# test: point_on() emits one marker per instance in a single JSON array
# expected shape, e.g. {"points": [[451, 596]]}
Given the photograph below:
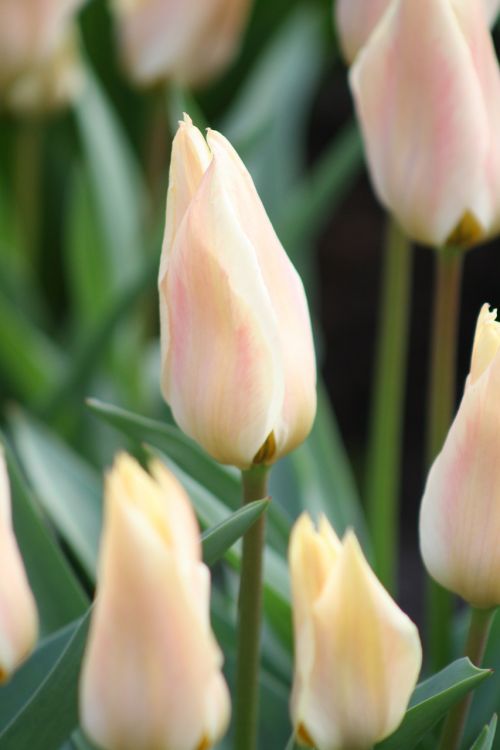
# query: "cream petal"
{"points": [[223, 374], [427, 151], [286, 292], [356, 20], [460, 512]]}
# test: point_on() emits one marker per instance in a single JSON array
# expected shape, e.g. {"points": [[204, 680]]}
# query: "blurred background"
{"points": [[82, 193]]}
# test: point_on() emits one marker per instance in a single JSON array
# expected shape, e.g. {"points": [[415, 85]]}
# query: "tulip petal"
{"points": [[356, 20], [429, 152], [286, 293], [459, 517], [18, 613], [223, 364]]}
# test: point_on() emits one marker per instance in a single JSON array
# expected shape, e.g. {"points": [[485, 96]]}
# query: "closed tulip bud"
{"points": [[238, 367], [50, 84], [357, 655], [151, 674], [357, 19], [427, 92], [29, 31], [18, 613], [185, 40], [460, 513]]}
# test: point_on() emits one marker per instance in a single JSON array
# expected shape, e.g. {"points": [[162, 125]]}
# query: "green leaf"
{"points": [[60, 598], [485, 739], [431, 700], [50, 714], [24, 683], [217, 540], [222, 482], [68, 488], [28, 359], [324, 476], [116, 181]]}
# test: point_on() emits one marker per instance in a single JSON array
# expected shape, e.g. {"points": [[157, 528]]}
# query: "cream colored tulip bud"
{"points": [[427, 92], [18, 612], [151, 675], [357, 19], [29, 32], [238, 366], [460, 513], [49, 84], [357, 655], [187, 40]]}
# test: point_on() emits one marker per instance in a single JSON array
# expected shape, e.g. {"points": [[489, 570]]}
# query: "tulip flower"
{"points": [[181, 39], [427, 92], [18, 612], [29, 31], [51, 83], [357, 655], [460, 513], [151, 675], [238, 367]]}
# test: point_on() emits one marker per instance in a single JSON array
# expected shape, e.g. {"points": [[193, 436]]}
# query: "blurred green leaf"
{"points": [[431, 700], [117, 184], [324, 475], [28, 358], [266, 124], [50, 714], [68, 489], [60, 598], [222, 482], [24, 683], [487, 698], [217, 540], [485, 739]]}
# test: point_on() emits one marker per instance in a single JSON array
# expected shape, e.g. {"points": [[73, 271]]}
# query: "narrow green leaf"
{"points": [[217, 540], [18, 692], [222, 482], [116, 183], [60, 598], [51, 713], [431, 700], [487, 736], [66, 486]]}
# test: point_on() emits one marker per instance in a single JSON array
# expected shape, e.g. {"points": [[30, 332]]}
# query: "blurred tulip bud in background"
{"points": [[357, 19], [460, 514], [238, 365], [52, 83], [355, 650], [151, 676], [185, 40], [18, 613], [29, 32], [427, 92]]}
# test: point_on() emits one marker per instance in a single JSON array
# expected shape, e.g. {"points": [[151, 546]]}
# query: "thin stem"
{"points": [[254, 482], [442, 394], [385, 440], [28, 164], [477, 639]]}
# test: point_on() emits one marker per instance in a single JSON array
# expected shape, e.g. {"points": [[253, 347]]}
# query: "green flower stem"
{"points": [[28, 189], [442, 394], [254, 482], [385, 439], [477, 639]]}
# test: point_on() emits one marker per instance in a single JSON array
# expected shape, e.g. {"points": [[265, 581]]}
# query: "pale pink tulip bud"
{"points": [[18, 612], [427, 92], [460, 513], [185, 40], [49, 84], [238, 367], [354, 647], [357, 19], [29, 31], [151, 676]]}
